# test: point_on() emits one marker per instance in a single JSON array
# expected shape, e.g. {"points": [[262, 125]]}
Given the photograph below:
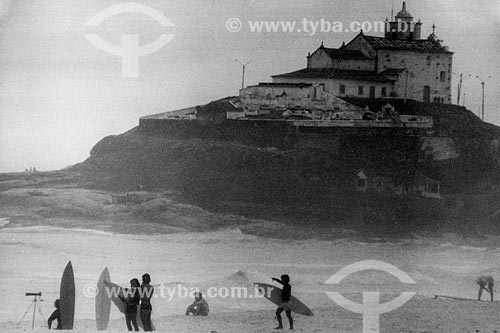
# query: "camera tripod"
{"points": [[34, 305]]}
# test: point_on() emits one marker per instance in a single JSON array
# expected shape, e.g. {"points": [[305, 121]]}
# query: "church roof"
{"points": [[332, 73], [283, 84], [421, 45], [345, 54], [392, 71]]}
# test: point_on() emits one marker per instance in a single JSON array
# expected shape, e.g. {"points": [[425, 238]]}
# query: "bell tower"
{"points": [[403, 27]]}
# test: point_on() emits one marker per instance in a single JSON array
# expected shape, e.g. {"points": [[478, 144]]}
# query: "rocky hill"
{"points": [[313, 185]]}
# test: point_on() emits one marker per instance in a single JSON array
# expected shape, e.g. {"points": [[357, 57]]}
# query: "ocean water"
{"points": [[33, 259]]}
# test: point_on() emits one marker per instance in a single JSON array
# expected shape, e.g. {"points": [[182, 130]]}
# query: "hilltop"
{"points": [[243, 173]]}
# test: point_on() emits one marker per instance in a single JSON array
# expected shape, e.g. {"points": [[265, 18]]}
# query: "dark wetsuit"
{"points": [[286, 294], [132, 300], [147, 291], [56, 315]]}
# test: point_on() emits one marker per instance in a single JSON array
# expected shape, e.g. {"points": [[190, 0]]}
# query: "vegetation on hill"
{"points": [[449, 120], [313, 186]]}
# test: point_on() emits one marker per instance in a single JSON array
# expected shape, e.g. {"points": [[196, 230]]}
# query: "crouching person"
{"points": [[199, 306]]}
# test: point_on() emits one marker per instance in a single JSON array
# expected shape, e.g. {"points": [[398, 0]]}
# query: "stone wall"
{"points": [[422, 72]]}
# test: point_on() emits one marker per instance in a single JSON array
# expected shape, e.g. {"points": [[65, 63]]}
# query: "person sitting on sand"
{"points": [[56, 315], [286, 293], [199, 306], [146, 293], [131, 299], [485, 282]]}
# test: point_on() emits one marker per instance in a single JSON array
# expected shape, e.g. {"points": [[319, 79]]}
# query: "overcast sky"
{"points": [[60, 94]]}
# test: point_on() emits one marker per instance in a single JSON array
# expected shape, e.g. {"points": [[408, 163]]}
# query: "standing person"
{"points": [[132, 299], [199, 306], [485, 282], [146, 292], [56, 315], [286, 293]]}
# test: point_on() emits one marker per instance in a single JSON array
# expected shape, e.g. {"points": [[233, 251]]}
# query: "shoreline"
{"points": [[418, 315]]}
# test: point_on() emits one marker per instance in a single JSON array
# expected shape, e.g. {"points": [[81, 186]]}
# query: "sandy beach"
{"points": [[34, 257]]}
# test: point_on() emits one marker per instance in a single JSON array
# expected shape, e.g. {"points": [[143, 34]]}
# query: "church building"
{"points": [[401, 65]]}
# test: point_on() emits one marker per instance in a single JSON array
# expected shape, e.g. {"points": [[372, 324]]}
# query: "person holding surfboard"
{"points": [[199, 306], [131, 298], [485, 282], [286, 293], [146, 292], [56, 315]]}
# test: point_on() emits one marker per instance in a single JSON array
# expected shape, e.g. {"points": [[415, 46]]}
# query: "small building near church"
{"points": [[370, 181], [261, 98]]}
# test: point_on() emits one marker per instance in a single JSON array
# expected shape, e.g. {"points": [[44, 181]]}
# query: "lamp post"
{"points": [[243, 74], [460, 85], [482, 100], [459, 88], [406, 85]]}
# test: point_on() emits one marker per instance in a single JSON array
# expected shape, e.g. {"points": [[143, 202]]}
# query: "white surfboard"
{"points": [[102, 302]]}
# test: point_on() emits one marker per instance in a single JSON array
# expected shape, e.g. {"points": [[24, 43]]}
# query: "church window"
{"points": [[342, 89], [433, 188], [442, 76], [429, 60], [361, 90], [384, 92]]}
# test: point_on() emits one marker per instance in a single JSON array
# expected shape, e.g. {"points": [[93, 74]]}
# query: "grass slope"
{"points": [[314, 186]]}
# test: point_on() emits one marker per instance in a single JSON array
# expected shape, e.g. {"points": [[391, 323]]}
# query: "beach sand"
{"points": [[33, 259]]}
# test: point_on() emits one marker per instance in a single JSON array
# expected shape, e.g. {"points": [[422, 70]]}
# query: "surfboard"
{"points": [[273, 294], [67, 298], [115, 291], [102, 302], [120, 304]]}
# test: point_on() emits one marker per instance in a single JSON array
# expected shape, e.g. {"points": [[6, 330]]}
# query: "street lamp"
{"points": [[482, 103], [243, 75], [459, 92]]}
